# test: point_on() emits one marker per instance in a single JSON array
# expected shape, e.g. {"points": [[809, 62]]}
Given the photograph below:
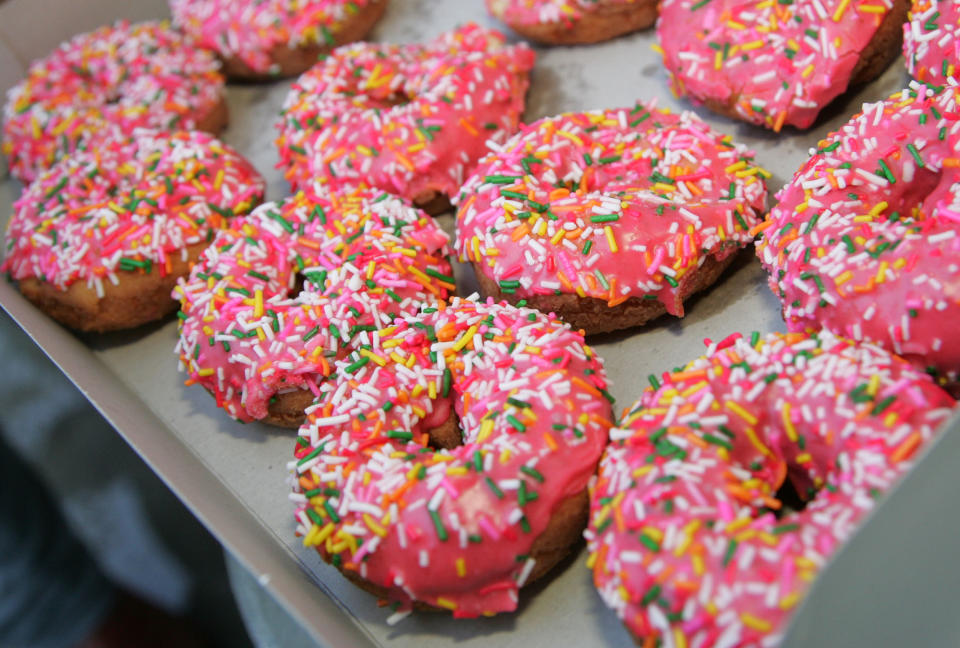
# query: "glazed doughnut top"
{"points": [[609, 204], [863, 240], [128, 205], [685, 538], [407, 119], [772, 63], [451, 528], [141, 75], [248, 29]]}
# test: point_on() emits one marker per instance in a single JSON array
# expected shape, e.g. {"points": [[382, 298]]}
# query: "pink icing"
{"points": [[863, 240], [117, 77], [407, 119], [364, 257], [451, 528], [609, 204], [129, 206], [684, 542], [249, 29], [785, 61], [930, 43]]}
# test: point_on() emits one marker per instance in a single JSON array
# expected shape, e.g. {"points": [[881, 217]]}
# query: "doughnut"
{"points": [[688, 540], [98, 240], [574, 22], [262, 39], [609, 218], [446, 464], [409, 119], [280, 293], [117, 77], [930, 43], [863, 240], [776, 63]]}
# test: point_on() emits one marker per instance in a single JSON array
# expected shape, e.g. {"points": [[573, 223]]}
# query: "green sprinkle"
{"points": [[532, 472], [438, 523], [649, 543], [731, 549]]}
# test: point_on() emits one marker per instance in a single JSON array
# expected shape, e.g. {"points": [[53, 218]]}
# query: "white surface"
{"points": [[247, 461]]}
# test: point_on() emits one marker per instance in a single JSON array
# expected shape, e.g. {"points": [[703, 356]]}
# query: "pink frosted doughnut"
{"points": [[685, 541], [930, 42], [100, 238], [776, 63], [569, 22], [863, 240], [411, 120], [461, 528], [269, 38], [123, 75], [257, 340], [609, 218]]}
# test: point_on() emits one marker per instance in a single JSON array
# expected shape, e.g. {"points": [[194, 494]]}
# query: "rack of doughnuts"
{"points": [[439, 253]]}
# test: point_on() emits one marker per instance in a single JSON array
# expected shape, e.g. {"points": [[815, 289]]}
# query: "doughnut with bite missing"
{"points": [[281, 293]]}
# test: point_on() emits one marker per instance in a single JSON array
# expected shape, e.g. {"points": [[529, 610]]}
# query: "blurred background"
{"points": [[138, 532]]}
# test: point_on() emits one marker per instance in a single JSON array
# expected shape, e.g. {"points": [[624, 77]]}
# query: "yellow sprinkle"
{"points": [[873, 385], [788, 424], [591, 560], [789, 601], [461, 567], [755, 622], [446, 603], [610, 238], [653, 532], [882, 271], [656, 48], [842, 7], [380, 360], [486, 428], [465, 339], [373, 525], [739, 411], [679, 639], [879, 207], [752, 436], [736, 166], [843, 278], [258, 303], [205, 372]]}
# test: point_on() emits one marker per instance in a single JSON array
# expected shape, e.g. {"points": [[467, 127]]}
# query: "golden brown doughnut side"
{"points": [[605, 23], [594, 315], [137, 299], [293, 61], [216, 120]]}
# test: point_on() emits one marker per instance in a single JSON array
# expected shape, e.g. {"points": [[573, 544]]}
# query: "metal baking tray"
{"points": [[233, 476]]}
